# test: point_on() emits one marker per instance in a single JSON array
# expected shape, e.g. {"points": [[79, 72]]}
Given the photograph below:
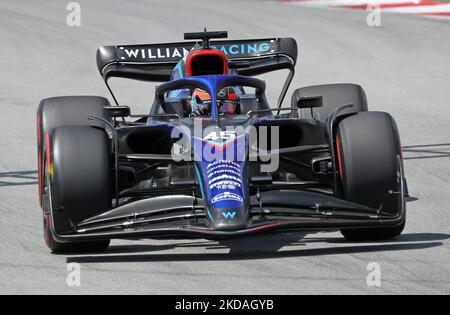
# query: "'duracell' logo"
{"points": [[227, 196]]}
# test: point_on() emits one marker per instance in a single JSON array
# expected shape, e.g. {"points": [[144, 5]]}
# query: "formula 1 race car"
{"points": [[213, 159]]}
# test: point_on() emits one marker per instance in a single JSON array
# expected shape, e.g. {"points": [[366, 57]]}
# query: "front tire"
{"points": [[65, 111], [77, 183], [369, 152]]}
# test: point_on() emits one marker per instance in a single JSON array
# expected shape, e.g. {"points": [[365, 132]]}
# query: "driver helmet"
{"points": [[201, 102]]}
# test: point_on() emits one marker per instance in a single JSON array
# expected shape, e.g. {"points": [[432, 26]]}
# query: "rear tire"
{"points": [[334, 96], [368, 149]]}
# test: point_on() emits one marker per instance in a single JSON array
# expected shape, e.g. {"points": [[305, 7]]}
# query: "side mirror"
{"points": [[117, 111], [302, 101], [310, 102]]}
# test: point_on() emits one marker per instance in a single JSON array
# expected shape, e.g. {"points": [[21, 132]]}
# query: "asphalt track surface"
{"points": [[403, 65]]}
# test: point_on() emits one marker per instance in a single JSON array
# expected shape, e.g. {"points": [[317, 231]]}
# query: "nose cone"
{"points": [[229, 219], [223, 183]]}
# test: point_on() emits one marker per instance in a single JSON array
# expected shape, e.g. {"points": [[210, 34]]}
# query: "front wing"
{"points": [[274, 211]]}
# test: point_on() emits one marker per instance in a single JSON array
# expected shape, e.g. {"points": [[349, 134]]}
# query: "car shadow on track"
{"points": [[18, 178], [263, 247], [427, 151]]}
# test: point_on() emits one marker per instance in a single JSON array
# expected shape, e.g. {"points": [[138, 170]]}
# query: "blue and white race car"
{"points": [[213, 159]]}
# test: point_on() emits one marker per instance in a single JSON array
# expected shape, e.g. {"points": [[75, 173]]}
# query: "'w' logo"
{"points": [[229, 215]]}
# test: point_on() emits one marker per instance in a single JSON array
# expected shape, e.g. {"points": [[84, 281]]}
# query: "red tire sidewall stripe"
{"points": [[48, 231], [39, 140], [40, 176], [339, 156], [47, 151]]}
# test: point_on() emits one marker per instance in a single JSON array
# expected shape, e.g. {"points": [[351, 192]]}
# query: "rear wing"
{"points": [[155, 62]]}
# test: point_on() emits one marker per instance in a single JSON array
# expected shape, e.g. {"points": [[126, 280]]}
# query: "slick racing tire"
{"points": [[65, 111], [78, 183], [334, 96], [369, 159]]}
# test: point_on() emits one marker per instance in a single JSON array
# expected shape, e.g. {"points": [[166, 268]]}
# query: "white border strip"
{"points": [[321, 3], [444, 8]]}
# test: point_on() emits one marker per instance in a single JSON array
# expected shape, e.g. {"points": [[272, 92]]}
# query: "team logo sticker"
{"points": [[227, 196]]}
